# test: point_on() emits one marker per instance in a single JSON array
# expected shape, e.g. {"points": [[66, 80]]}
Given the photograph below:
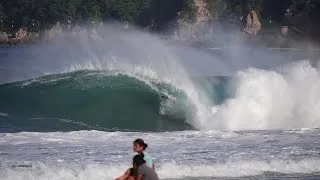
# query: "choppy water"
{"points": [[178, 155]]}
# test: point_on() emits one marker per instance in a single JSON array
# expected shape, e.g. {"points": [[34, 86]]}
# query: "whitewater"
{"points": [[71, 109]]}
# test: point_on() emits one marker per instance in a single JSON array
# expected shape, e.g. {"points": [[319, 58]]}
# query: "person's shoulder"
{"points": [[147, 155]]}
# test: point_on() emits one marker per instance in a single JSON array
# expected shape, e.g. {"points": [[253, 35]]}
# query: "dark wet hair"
{"points": [[141, 143], [138, 160]]}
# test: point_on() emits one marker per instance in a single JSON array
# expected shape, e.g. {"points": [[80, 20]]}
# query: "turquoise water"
{"points": [[99, 100]]}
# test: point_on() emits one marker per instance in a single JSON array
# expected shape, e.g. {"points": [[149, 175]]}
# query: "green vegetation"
{"points": [[36, 15], [157, 15]]}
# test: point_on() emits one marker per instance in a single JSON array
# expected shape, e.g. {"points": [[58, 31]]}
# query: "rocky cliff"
{"points": [[22, 36], [196, 19]]}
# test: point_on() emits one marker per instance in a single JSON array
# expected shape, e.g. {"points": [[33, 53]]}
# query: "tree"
{"points": [[128, 10]]}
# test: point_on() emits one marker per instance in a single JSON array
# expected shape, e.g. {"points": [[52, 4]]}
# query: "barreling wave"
{"points": [[129, 80], [102, 100], [253, 99]]}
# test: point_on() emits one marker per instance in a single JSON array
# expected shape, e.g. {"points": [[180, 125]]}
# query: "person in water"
{"points": [[143, 171], [139, 146]]}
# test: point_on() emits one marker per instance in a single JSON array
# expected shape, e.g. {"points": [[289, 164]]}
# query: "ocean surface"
{"points": [[71, 109]]}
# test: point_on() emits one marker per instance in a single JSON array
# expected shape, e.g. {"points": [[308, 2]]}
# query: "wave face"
{"points": [[102, 100]]}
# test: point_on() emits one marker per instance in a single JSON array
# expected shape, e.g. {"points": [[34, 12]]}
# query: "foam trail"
{"points": [[3, 114]]}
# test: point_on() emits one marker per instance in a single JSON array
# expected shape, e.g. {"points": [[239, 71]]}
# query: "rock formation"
{"points": [[202, 15], [4, 38], [253, 24], [21, 37]]}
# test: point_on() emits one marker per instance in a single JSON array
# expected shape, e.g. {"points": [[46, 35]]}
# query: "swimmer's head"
{"points": [[139, 145]]}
